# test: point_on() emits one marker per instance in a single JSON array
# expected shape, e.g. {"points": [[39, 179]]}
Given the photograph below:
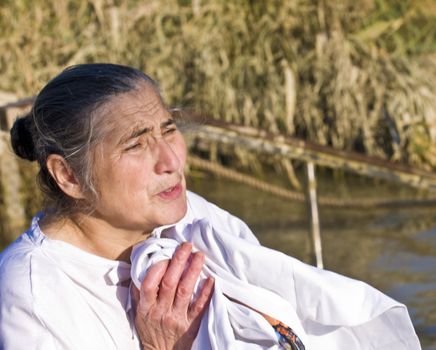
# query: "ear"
{"points": [[64, 176]]}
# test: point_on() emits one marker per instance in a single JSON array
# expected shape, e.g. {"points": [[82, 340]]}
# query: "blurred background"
{"points": [[352, 76]]}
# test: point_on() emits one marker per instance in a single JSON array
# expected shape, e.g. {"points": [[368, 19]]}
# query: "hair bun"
{"points": [[21, 138]]}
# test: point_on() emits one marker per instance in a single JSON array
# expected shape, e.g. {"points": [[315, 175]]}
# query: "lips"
{"points": [[172, 192]]}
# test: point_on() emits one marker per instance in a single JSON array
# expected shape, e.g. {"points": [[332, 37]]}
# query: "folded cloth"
{"points": [[325, 310]]}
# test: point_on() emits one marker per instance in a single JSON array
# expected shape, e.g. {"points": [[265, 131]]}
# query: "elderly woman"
{"points": [[111, 167]]}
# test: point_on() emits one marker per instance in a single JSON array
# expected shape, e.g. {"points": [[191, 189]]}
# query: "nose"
{"points": [[167, 160]]}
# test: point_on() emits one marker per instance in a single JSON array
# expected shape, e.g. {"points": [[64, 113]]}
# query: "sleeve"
{"points": [[199, 208], [20, 328]]}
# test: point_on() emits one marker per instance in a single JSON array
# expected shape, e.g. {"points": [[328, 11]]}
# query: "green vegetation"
{"points": [[353, 75]]}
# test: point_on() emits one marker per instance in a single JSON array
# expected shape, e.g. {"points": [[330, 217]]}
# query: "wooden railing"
{"points": [[260, 141]]}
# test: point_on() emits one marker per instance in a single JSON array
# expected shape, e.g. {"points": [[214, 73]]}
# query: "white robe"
{"points": [[54, 295], [326, 310]]}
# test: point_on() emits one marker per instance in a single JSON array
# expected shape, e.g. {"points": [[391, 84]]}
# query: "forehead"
{"points": [[141, 106]]}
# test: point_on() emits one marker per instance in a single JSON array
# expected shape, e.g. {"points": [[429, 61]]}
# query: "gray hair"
{"points": [[63, 121]]}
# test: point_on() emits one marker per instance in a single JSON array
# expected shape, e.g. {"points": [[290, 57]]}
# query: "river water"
{"points": [[392, 249]]}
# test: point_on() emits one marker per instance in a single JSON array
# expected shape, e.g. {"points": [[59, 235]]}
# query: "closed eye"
{"points": [[136, 145], [169, 131], [168, 127]]}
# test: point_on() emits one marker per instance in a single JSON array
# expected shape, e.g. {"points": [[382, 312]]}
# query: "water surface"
{"points": [[393, 250]]}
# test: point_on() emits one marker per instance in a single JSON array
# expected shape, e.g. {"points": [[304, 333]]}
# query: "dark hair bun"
{"points": [[21, 139]]}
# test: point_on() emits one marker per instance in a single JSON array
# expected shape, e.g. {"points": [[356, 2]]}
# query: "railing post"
{"points": [[315, 232], [13, 212]]}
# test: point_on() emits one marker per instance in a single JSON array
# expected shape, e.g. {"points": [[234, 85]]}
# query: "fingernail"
{"points": [[187, 244], [200, 255], [185, 248]]}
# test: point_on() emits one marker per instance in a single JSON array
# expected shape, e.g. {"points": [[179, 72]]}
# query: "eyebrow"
{"points": [[138, 132]]}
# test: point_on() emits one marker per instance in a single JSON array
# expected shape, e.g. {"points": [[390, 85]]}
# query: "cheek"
{"points": [[125, 177]]}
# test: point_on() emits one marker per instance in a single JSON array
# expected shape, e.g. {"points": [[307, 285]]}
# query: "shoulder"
{"points": [[16, 268], [15, 261], [199, 208], [21, 263]]}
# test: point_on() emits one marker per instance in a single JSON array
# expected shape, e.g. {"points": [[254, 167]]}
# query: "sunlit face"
{"points": [[139, 166]]}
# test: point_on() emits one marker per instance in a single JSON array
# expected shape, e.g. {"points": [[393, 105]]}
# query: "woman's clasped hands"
{"points": [[167, 317]]}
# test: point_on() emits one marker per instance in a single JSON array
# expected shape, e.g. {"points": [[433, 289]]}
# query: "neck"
{"points": [[95, 236]]}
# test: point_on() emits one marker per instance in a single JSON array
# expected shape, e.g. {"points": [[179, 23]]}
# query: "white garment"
{"points": [[324, 309], [56, 296]]}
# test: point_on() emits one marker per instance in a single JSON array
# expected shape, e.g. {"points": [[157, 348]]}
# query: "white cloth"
{"points": [[326, 310], [56, 296]]}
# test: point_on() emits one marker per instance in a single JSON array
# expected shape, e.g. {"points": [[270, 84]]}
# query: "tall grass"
{"points": [[353, 75]]}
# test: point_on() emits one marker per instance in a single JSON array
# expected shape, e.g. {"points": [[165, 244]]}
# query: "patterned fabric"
{"points": [[287, 338]]}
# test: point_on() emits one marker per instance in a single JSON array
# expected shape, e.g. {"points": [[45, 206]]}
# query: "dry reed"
{"points": [[353, 75]]}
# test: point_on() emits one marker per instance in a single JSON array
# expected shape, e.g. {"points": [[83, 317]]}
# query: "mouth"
{"points": [[172, 192]]}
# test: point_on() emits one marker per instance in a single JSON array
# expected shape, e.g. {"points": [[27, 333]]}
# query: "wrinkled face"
{"points": [[138, 168]]}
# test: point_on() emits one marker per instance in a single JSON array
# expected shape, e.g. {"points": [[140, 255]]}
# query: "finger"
{"points": [[172, 275], [198, 307], [187, 283], [150, 285]]}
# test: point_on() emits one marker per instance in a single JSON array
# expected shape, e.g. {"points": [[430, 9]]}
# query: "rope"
{"points": [[295, 196]]}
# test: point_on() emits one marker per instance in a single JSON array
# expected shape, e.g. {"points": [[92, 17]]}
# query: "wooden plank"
{"points": [[10, 111], [266, 143], [7, 97], [315, 230]]}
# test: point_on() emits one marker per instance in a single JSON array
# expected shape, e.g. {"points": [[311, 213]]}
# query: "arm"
{"points": [[166, 318]]}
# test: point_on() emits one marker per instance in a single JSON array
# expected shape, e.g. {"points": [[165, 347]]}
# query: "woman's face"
{"points": [[139, 166]]}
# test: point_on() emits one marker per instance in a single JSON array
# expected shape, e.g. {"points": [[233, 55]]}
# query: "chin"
{"points": [[175, 212], [180, 212]]}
